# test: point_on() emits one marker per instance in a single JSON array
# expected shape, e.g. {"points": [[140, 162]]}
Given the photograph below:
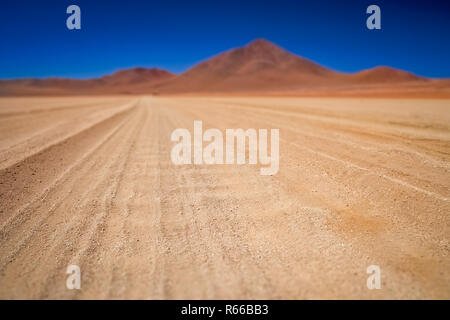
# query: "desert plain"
{"points": [[89, 181]]}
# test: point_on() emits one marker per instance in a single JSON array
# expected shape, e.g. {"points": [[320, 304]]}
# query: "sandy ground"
{"points": [[89, 181]]}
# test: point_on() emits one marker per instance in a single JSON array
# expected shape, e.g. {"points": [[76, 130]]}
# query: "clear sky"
{"points": [[175, 35]]}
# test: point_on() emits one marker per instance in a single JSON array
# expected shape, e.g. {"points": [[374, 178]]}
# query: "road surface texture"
{"points": [[89, 181]]}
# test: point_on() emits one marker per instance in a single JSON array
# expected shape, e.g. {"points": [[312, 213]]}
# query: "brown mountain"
{"points": [[133, 80], [383, 74], [137, 76], [264, 67], [260, 67]]}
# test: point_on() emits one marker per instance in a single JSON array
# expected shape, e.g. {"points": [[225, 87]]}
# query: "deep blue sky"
{"points": [[175, 35]]}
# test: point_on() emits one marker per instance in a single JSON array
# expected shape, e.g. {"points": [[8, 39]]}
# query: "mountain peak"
{"points": [[261, 43], [262, 46], [137, 75], [385, 74], [142, 71]]}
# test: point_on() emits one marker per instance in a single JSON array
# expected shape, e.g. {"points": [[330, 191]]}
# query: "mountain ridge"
{"points": [[260, 66]]}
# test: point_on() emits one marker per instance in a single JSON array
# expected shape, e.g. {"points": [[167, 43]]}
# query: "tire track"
{"points": [[109, 199]]}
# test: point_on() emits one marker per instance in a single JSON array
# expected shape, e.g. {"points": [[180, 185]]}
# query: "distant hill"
{"points": [[129, 81], [384, 74]]}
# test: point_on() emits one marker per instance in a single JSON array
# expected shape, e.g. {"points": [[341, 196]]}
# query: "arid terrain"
{"points": [[89, 181]]}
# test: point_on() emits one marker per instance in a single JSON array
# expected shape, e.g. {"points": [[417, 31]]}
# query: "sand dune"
{"points": [[260, 67], [89, 181]]}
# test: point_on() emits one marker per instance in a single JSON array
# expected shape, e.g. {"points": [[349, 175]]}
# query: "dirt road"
{"points": [[89, 181]]}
